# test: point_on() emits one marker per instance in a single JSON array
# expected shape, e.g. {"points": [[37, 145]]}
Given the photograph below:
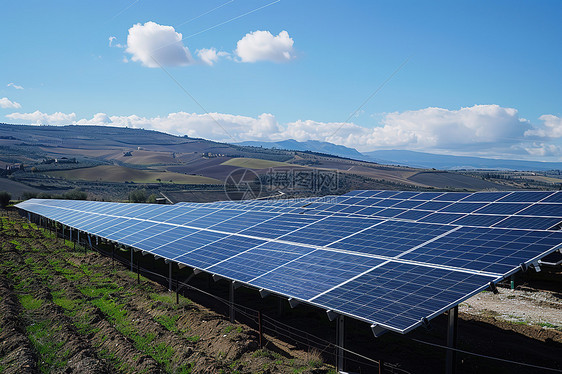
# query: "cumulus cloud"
{"points": [[551, 128], [443, 128], [543, 149], [39, 118], [12, 84], [263, 46], [210, 55], [8, 104], [485, 130], [152, 41]]}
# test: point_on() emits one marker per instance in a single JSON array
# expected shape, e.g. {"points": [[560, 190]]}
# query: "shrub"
{"points": [[28, 195], [137, 196], [75, 194], [4, 198]]}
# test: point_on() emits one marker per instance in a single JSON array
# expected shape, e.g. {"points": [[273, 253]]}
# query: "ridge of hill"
{"points": [[110, 162]]}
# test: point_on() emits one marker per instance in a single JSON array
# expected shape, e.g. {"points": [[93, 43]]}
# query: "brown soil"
{"points": [[69, 311]]}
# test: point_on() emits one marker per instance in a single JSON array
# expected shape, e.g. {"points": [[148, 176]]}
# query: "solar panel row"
{"points": [[384, 271]]}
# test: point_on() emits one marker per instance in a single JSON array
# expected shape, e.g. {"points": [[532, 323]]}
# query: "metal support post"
{"points": [[340, 341], [170, 276], [138, 271], [260, 329], [113, 255], [281, 307], [231, 300], [132, 254], [452, 340], [512, 281]]}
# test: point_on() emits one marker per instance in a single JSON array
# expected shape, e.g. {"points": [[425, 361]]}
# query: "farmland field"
{"points": [[113, 173], [254, 163], [64, 309]]}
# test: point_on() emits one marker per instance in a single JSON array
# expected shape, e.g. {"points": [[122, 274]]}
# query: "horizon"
{"points": [[367, 76]]}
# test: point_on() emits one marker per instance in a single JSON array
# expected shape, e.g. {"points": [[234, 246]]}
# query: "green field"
{"points": [[114, 173], [254, 163]]}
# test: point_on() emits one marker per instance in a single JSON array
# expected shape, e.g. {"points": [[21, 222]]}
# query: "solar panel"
{"points": [[554, 198], [390, 238], [485, 249], [525, 196], [441, 217], [420, 253], [280, 225], [485, 196], [328, 230], [462, 207], [478, 220], [538, 223], [314, 273], [502, 208], [549, 210], [259, 261], [217, 251], [397, 294]]}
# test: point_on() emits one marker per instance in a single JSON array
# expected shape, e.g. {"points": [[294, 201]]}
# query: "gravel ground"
{"points": [[540, 308]]}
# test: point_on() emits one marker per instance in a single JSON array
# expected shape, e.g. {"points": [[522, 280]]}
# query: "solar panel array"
{"points": [[389, 258]]}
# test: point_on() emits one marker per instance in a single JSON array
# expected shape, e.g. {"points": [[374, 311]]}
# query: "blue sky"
{"points": [[480, 78]]}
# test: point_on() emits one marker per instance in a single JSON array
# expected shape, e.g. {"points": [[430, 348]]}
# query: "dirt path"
{"points": [[539, 308]]}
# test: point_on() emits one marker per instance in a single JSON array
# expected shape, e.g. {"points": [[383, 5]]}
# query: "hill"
{"points": [[311, 146], [110, 162]]}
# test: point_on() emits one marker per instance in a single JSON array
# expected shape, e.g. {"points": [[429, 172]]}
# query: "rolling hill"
{"points": [[108, 162]]}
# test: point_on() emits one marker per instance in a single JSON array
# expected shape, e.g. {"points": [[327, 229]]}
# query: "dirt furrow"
{"points": [[16, 351]]}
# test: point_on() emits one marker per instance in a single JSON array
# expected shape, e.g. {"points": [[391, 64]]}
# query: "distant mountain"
{"points": [[445, 162], [310, 145]]}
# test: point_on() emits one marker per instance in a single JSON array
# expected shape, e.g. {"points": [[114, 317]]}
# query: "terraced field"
{"points": [[64, 309]]}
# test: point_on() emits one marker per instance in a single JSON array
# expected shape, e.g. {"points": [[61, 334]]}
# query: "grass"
{"points": [[550, 326], [51, 358], [168, 322], [170, 299], [254, 163], [194, 338], [28, 302]]}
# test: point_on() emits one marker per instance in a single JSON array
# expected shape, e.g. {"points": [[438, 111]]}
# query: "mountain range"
{"points": [[408, 158]]}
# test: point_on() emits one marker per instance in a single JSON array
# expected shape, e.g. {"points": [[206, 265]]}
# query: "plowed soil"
{"points": [[69, 311]]}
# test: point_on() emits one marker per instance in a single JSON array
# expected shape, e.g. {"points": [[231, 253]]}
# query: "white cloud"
{"points": [[263, 46], [483, 130], [443, 128], [117, 45], [39, 118], [152, 41], [8, 104], [12, 84], [210, 55], [552, 127]]}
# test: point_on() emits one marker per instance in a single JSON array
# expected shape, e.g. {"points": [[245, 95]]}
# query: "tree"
{"points": [[5, 198], [75, 194], [152, 198], [137, 196], [28, 195]]}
